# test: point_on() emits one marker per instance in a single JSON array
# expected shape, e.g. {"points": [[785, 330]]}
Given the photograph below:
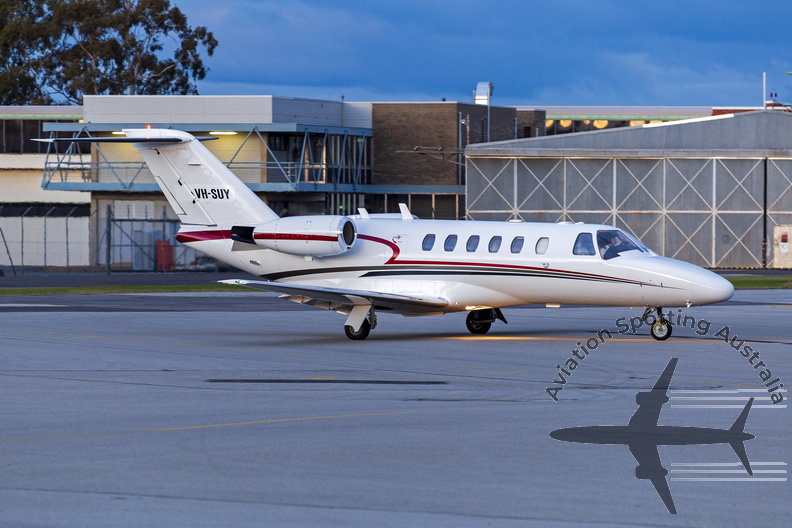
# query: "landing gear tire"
{"points": [[475, 325], [360, 334], [659, 326], [661, 329]]}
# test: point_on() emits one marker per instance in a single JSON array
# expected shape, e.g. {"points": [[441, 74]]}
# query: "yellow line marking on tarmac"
{"points": [[646, 339], [257, 422], [41, 334], [477, 369]]}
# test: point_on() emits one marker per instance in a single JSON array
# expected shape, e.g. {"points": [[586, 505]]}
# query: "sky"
{"points": [[535, 52]]}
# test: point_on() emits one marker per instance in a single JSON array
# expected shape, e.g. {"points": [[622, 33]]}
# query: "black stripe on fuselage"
{"points": [[411, 271], [546, 275]]}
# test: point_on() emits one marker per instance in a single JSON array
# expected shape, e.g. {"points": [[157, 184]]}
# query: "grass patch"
{"points": [[760, 282], [90, 290]]}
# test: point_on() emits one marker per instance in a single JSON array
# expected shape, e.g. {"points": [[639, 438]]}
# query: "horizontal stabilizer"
{"points": [[739, 423], [739, 450], [85, 139], [200, 188], [739, 445]]}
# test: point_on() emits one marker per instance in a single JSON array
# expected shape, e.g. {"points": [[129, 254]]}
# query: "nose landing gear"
{"points": [[659, 326]]}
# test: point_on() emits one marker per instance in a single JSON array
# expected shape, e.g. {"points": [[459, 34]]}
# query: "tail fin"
{"points": [[198, 186], [739, 445], [739, 423], [739, 450]]}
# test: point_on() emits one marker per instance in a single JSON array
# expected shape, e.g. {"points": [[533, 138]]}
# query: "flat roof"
{"points": [[764, 133], [41, 112], [206, 127], [625, 113]]}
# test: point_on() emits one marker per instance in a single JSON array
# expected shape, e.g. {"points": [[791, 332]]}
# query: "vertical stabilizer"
{"points": [[739, 445], [199, 187]]}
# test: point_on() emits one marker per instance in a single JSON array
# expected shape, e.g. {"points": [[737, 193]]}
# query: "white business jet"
{"points": [[365, 264]]}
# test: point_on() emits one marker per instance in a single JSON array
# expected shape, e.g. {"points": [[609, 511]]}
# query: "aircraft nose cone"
{"points": [[709, 288]]}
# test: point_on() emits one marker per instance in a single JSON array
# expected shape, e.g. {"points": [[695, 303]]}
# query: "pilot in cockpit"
{"points": [[613, 243], [605, 241]]}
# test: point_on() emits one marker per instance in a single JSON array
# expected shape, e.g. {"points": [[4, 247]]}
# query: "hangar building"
{"points": [[98, 206], [715, 191]]}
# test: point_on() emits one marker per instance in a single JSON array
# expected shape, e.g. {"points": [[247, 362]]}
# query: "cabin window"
{"points": [[584, 245], [428, 242], [450, 242], [541, 245], [494, 244], [472, 243], [517, 244]]}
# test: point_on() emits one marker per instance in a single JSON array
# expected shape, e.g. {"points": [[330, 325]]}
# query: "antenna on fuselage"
{"points": [[405, 212]]}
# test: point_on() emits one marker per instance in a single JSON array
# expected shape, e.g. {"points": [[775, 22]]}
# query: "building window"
{"points": [[17, 135], [279, 142]]}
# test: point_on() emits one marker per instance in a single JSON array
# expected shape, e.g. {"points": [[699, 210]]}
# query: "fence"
{"points": [[43, 235], [122, 236], [133, 241]]}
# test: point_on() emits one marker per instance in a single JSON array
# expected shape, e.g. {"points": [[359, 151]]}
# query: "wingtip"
{"points": [[662, 489], [235, 282]]}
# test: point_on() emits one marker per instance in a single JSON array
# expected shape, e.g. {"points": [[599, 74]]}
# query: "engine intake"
{"points": [[308, 236]]}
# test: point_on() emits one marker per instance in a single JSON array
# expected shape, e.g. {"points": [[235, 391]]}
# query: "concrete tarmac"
{"points": [[239, 409]]}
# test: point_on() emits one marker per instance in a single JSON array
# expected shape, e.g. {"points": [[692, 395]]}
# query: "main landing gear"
{"points": [[369, 323], [659, 326], [360, 334], [480, 321]]}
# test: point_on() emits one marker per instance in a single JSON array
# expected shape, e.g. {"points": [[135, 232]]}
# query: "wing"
{"points": [[651, 403], [650, 468], [345, 300], [661, 487]]}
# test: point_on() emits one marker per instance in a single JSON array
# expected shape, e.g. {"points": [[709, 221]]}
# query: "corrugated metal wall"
{"points": [[712, 211]]}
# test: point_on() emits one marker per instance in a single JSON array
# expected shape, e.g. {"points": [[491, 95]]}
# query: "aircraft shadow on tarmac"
{"points": [[642, 435]]}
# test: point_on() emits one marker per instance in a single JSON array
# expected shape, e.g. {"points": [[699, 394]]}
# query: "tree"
{"points": [[72, 48], [24, 35]]}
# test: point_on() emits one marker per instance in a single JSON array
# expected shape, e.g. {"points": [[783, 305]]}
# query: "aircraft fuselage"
{"points": [[477, 264]]}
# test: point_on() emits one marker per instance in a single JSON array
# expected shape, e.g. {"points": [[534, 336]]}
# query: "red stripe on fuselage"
{"points": [[220, 234], [396, 251]]}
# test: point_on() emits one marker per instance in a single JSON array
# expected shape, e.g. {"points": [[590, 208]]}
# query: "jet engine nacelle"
{"points": [[650, 398], [308, 236]]}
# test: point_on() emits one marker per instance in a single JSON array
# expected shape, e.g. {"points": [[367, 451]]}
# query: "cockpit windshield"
{"points": [[614, 242]]}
